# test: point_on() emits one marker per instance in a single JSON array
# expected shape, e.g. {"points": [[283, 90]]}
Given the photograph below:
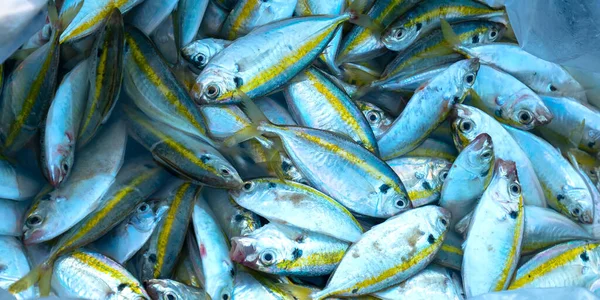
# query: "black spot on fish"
{"points": [[152, 258], [205, 158], [232, 272], [354, 291], [475, 39], [384, 188], [285, 166], [238, 218], [584, 256], [272, 185], [427, 186], [419, 25], [431, 239], [498, 113], [591, 144], [297, 253], [238, 81], [560, 197], [514, 214], [300, 239], [121, 286], [99, 53]]}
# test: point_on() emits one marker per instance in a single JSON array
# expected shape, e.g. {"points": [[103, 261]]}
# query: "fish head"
{"points": [[43, 221], [251, 191], [438, 220], [379, 120], [199, 52], [225, 175], [578, 202], [505, 186], [166, 289], [262, 250], [244, 221], [467, 123], [145, 217], [490, 33], [480, 155], [525, 110], [59, 162], [215, 85], [392, 200], [401, 34], [222, 285], [463, 74]]}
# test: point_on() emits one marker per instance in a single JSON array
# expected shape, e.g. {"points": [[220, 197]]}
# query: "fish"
{"points": [[451, 86], [199, 52], [13, 265], [468, 122], [86, 274], [249, 287], [190, 14], [426, 16], [62, 124], [406, 82], [434, 282], [419, 55], [20, 20], [90, 16], [451, 253], [274, 111], [171, 289], [568, 264], [563, 186], [297, 205], [575, 125], [423, 177], [316, 102], [94, 172], [155, 90], [363, 43], [157, 258], [16, 182], [468, 178], [256, 64], [546, 293], [217, 267], [286, 250], [27, 94], [185, 155], [434, 148], [492, 248], [403, 245], [233, 219], [249, 14], [123, 241], [379, 120], [508, 100]]}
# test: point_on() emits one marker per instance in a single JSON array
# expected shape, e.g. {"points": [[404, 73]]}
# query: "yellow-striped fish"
{"points": [[402, 246], [249, 14]]}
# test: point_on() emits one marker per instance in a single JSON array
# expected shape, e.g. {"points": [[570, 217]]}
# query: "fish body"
{"points": [[286, 250], [468, 122], [316, 102], [16, 183], [249, 14], [297, 205], [257, 63], [150, 13], [389, 253], [15, 264], [190, 15], [492, 247], [451, 253], [233, 219], [468, 178], [427, 108], [434, 282], [422, 177], [13, 213]]}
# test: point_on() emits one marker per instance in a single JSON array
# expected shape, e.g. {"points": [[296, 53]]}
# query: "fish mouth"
{"points": [[55, 176], [32, 236], [239, 250]]}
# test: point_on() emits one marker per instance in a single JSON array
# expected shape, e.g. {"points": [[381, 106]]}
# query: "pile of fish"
{"points": [[293, 149]]}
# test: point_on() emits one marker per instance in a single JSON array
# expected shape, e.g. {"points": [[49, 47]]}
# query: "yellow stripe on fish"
{"points": [[102, 267], [451, 249], [98, 87], [94, 19], [314, 259], [245, 14], [165, 233], [448, 10], [143, 64], [512, 254]]}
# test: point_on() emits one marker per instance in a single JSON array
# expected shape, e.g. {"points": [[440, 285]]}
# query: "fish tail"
{"points": [[67, 16], [319, 295], [45, 280], [251, 132], [53, 14], [451, 37], [362, 20], [297, 291], [31, 278]]}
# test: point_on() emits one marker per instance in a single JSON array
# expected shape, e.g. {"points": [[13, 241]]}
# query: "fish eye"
{"points": [[34, 220], [400, 203], [552, 88], [398, 33], [443, 221], [515, 189], [486, 154], [200, 59], [525, 117], [576, 211], [248, 186], [493, 34], [470, 78], [143, 207], [443, 175], [465, 126], [373, 117], [267, 257], [169, 295], [225, 296], [65, 167], [212, 91]]}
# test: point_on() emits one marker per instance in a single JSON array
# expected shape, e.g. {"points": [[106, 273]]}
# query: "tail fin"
{"points": [[451, 37], [357, 17], [33, 277], [297, 291], [67, 16]]}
